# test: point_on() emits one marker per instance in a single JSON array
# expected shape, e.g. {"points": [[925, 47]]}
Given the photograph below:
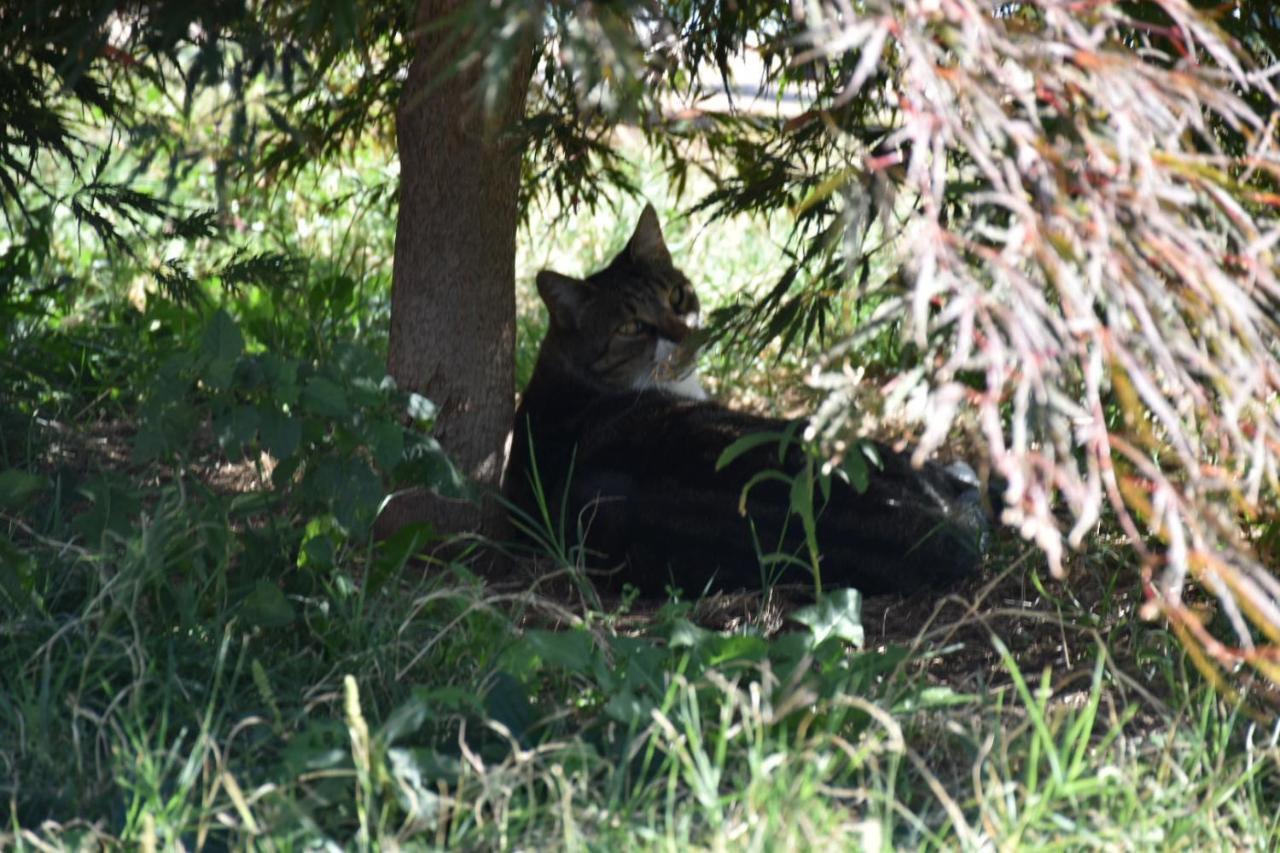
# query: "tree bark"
{"points": [[453, 291]]}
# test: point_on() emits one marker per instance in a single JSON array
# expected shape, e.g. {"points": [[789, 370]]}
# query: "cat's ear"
{"points": [[563, 296], [646, 245]]}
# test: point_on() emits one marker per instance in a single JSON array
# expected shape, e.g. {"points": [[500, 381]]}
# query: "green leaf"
{"points": [[420, 769], [281, 375], [281, 433], [426, 464], [112, 508], [349, 487], [629, 709], [406, 719], [249, 375], [357, 362], [317, 552], [758, 478], [321, 745], [685, 634], [838, 614], [645, 660], [790, 649], [872, 453], [237, 428], [508, 703], [325, 397], [855, 467], [221, 345], [341, 289], [282, 476], [934, 696], [250, 504], [802, 496], [745, 444], [396, 550], [386, 441], [172, 381], [358, 495], [267, 607], [573, 651], [741, 647], [18, 487]]}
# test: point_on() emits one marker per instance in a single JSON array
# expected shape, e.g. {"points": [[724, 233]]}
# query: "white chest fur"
{"points": [[686, 385]]}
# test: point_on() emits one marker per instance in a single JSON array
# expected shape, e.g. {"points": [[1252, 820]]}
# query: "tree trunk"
{"points": [[453, 294]]}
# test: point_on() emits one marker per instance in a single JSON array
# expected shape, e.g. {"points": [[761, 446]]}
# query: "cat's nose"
{"points": [[673, 329], [690, 319]]}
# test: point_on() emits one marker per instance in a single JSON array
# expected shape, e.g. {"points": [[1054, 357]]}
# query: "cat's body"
{"points": [[627, 444]]}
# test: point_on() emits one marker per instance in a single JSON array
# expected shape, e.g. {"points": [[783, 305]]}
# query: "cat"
{"points": [[626, 324], [625, 442]]}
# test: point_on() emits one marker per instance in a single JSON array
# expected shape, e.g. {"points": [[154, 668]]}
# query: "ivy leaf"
{"points": [[686, 635], [735, 647], [838, 614]]}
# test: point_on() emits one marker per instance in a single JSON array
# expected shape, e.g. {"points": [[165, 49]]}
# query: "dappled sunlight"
{"points": [[1038, 240]]}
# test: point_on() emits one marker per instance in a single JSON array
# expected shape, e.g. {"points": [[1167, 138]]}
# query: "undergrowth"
{"points": [[439, 710], [203, 646], [210, 663]]}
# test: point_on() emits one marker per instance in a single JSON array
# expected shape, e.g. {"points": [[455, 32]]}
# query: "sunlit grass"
{"points": [[398, 721]]}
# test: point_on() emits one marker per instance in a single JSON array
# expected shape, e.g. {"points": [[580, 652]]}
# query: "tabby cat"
{"points": [[626, 442]]}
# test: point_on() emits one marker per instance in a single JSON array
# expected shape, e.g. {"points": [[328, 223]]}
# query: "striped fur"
{"points": [[633, 460], [627, 326]]}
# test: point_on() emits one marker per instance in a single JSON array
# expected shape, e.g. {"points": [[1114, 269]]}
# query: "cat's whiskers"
{"points": [[675, 372]]}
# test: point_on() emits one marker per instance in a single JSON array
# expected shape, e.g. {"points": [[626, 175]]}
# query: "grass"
{"points": [[187, 666], [445, 712]]}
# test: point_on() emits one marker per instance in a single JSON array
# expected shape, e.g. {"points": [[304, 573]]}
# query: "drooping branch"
{"points": [[1112, 278]]}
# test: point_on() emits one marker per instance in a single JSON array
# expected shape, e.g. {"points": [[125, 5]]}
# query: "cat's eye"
{"points": [[631, 328], [675, 297]]}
